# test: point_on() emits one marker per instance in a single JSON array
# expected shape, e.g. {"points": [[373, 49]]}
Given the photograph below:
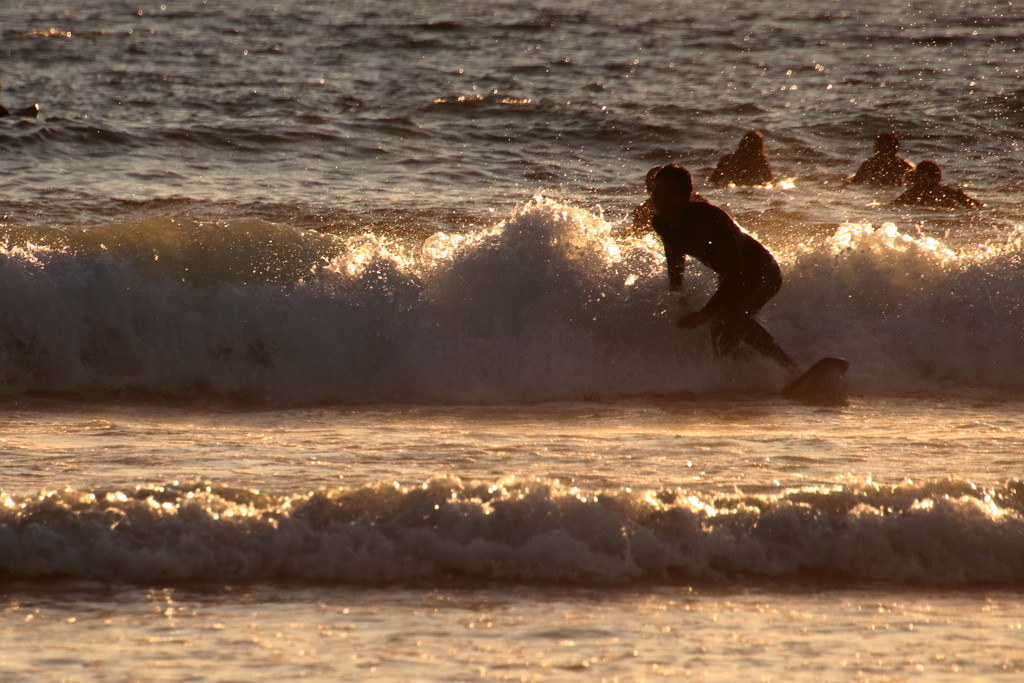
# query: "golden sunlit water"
{"points": [[328, 350]]}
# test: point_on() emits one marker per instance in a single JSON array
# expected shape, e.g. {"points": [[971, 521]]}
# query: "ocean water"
{"points": [[325, 353]]}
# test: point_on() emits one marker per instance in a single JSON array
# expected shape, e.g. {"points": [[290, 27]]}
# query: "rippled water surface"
{"points": [[325, 353]]}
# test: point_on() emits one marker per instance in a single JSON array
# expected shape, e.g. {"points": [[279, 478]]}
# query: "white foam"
{"points": [[545, 305], [942, 532]]}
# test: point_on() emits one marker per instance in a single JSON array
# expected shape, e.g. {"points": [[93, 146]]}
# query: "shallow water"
{"points": [[730, 538], [518, 633]]}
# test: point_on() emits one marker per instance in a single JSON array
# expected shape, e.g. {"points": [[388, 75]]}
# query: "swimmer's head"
{"points": [[649, 180], [927, 173], [752, 143], [887, 143]]}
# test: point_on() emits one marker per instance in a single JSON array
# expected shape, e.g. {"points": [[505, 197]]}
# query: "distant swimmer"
{"points": [[749, 275], [29, 112], [748, 165], [645, 210], [884, 168], [926, 189], [24, 112]]}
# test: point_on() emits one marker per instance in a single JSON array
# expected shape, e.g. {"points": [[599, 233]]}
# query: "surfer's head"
{"points": [[649, 180], [673, 189], [752, 144], [887, 143], [678, 176], [927, 173]]}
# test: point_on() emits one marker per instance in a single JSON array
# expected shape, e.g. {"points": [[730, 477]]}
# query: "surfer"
{"points": [[749, 274], [748, 165], [884, 167], [926, 189]]}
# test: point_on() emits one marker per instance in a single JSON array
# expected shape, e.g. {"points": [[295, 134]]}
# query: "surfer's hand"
{"points": [[693, 319]]}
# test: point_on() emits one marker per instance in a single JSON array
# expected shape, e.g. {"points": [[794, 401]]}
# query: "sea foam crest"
{"points": [[910, 311], [945, 532], [547, 304]]}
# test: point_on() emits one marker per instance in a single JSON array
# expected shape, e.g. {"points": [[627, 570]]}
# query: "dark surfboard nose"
{"points": [[822, 381]]}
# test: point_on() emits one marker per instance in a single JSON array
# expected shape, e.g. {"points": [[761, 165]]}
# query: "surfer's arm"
{"points": [[675, 261], [676, 267]]}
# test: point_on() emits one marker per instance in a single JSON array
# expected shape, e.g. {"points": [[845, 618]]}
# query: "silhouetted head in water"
{"points": [[887, 143], [649, 180], [927, 173], [927, 190], [752, 145], [748, 165], [884, 168]]}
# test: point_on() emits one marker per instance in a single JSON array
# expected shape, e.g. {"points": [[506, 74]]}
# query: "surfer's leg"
{"points": [[728, 331], [753, 333], [733, 323], [725, 335]]}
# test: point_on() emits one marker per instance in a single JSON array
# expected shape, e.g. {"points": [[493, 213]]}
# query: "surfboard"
{"points": [[823, 380]]}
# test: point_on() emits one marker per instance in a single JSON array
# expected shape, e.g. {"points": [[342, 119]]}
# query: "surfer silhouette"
{"points": [[926, 189], [748, 165], [749, 275], [884, 167]]}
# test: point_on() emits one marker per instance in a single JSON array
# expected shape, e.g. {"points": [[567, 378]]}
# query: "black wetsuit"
{"points": [[883, 169], [749, 276], [936, 195], [742, 169]]}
